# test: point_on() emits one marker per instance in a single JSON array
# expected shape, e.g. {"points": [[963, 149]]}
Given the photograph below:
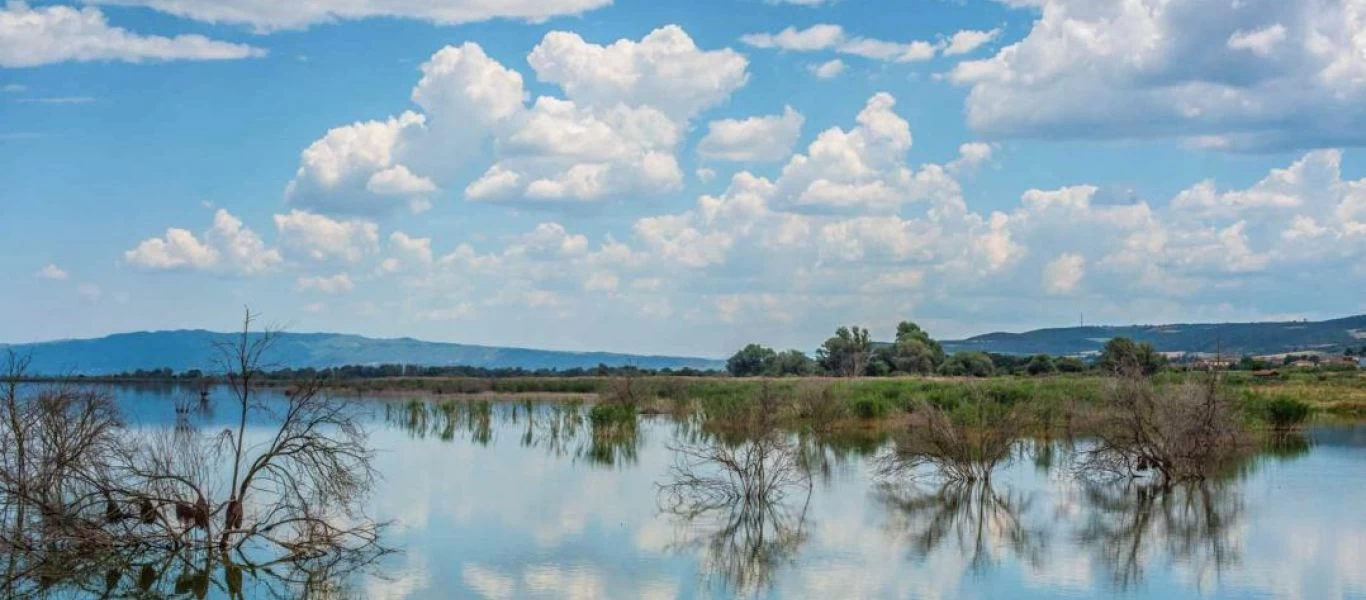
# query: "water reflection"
{"points": [[1129, 526], [560, 429], [978, 518], [744, 505], [150, 572], [511, 500]]}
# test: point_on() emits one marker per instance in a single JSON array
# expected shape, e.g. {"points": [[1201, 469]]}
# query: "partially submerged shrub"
{"points": [[611, 413], [870, 407], [1178, 432], [819, 405], [967, 444], [1284, 412]]}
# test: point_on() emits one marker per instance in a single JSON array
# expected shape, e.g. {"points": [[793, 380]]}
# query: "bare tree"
{"points": [[744, 504], [965, 446], [1175, 433], [78, 489]]}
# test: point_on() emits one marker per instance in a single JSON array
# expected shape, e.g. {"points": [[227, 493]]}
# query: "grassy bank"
{"points": [[1062, 401]]}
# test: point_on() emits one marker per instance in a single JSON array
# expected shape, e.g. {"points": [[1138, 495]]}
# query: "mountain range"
{"points": [[194, 349], [1233, 339]]}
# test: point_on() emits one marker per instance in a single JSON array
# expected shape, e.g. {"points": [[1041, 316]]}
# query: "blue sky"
{"points": [[678, 177]]}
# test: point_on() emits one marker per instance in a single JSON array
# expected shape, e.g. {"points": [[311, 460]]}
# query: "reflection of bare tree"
{"points": [[1130, 525], [150, 572], [976, 516], [743, 504], [966, 445]]}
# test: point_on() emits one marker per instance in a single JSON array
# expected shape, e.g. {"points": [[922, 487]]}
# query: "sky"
{"points": [[678, 177]]}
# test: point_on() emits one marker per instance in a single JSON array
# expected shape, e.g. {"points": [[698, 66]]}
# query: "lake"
{"points": [[521, 500]]}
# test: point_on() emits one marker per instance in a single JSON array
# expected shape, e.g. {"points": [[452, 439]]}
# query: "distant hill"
{"points": [[194, 349], [1232, 338]]}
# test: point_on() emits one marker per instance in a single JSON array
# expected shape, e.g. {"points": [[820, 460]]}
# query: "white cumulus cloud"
{"points": [[271, 15], [31, 37], [334, 284], [51, 271], [322, 238], [1241, 75], [829, 69], [825, 36], [1063, 274], [755, 139], [969, 40], [615, 133], [227, 246]]}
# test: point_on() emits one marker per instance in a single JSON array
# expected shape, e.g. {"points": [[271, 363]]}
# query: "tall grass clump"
{"points": [[1283, 412], [611, 414]]}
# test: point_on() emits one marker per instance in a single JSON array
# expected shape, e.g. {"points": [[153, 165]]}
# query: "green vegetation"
{"points": [[608, 414], [847, 353], [852, 353], [754, 360], [1281, 412], [1124, 356]]}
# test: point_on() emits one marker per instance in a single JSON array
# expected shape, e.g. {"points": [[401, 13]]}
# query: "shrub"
{"points": [[602, 415], [1284, 412], [870, 407], [819, 404]]}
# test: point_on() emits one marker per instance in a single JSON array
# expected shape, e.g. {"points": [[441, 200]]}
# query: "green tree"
{"points": [[1041, 364], [793, 362], [751, 360], [1070, 364], [1122, 355], [962, 364], [846, 354], [914, 351]]}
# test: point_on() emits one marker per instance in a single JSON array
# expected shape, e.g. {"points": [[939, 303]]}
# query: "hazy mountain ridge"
{"points": [[195, 349], [1230, 338]]}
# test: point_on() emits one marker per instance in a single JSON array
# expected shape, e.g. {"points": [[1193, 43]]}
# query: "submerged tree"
{"points": [[301, 487], [1183, 432], [79, 491], [742, 498], [744, 506], [966, 444]]}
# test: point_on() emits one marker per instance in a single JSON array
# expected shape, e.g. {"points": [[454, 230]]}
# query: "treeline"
{"points": [[1320, 362], [398, 370], [851, 353]]}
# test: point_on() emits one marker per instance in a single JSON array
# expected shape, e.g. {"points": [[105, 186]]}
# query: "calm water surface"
{"points": [[520, 500]]}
